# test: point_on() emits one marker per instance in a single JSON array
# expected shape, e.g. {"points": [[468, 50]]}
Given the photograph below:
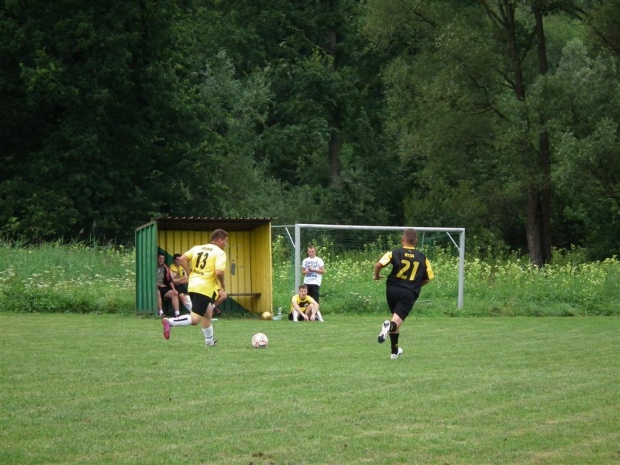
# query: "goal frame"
{"points": [[460, 247]]}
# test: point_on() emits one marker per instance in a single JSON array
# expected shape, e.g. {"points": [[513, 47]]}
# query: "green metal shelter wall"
{"points": [[146, 268]]}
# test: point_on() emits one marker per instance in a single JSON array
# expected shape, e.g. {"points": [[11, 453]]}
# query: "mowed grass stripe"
{"points": [[102, 389]]}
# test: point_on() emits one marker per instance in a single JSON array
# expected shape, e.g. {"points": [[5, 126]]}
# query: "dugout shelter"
{"points": [[248, 258]]}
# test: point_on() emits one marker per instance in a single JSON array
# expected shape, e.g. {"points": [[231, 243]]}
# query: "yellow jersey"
{"points": [[180, 272], [204, 260], [301, 303]]}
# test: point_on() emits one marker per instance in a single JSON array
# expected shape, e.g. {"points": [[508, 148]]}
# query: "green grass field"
{"points": [[109, 389]]}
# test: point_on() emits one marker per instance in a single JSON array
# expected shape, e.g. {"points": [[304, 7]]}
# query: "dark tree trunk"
{"points": [[334, 159], [542, 221], [536, 162], [508, 17]]}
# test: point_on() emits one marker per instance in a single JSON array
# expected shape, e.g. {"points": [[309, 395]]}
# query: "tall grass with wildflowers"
{"points": [[503, 283], [92, 278], [60, 278]]}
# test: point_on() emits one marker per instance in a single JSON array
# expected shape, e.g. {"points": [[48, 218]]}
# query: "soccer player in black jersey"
{"points": [[410, 271]]}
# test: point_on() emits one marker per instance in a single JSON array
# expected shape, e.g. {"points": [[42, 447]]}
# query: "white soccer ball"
{"points": [[259, 341]]}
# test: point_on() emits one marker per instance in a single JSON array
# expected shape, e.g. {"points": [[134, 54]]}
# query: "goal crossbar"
{"points": [[460, 247]]}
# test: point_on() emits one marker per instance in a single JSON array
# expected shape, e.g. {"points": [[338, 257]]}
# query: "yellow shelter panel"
{"points": [[181, 241], [248, 274], [261, 267], [238, 272], [248, 267]]}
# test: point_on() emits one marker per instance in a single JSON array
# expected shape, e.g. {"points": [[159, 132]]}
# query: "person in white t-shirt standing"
{"points": [[313, 270]]}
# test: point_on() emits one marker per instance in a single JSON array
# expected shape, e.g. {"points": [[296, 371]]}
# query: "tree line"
{"points": [[500, 116]]}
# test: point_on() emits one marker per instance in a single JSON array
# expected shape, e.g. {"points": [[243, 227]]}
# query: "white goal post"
{"points": [[460, 246]]}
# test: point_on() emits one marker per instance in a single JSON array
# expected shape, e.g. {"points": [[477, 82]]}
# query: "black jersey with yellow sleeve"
{"points": [[410, 268]]}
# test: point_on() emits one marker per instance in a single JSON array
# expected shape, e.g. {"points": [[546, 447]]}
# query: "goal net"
{"points": [[350, 252]]}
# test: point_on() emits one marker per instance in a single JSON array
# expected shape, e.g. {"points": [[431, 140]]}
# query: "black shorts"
{"points": [[163, 291], [299, 317], [313, 291], [200, 302], [400, 300], [182, 288]]}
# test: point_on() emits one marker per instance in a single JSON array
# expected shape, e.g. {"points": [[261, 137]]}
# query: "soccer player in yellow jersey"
{"points": [[180, 281], [206, 276], [303, 306], [410, 271]]}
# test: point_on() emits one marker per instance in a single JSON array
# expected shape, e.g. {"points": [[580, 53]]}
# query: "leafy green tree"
{"points": [[472, 108], [323, 124], [603, 24], [587, 127], [88, 120]]}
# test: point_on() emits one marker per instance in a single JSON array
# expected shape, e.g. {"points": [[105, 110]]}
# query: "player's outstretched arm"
{"points": [[377, 270]]}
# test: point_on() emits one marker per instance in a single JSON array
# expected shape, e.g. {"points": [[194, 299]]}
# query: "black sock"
{"points": [[393, 327], [394, 341]]}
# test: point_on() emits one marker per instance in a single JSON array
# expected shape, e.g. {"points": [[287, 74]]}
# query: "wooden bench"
{"points": [[231, 304]]}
